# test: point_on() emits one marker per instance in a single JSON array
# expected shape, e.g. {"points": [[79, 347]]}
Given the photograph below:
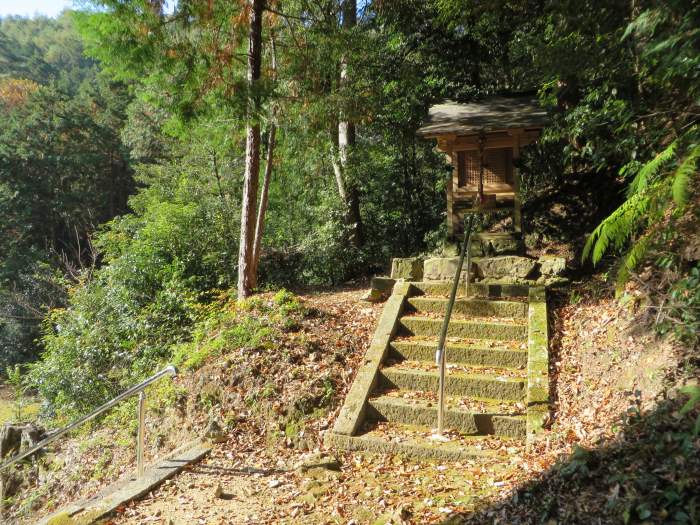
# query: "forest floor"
{"points": [[275, 404], [605, 370]]}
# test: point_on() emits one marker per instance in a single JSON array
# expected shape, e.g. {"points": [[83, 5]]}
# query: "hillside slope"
{"points": [[627, 452]]}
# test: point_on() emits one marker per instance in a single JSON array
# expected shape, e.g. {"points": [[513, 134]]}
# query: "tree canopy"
{"points": [[147, 152]]}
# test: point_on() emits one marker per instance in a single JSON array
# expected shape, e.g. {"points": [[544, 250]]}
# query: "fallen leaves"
{"points": [[252, 478]]}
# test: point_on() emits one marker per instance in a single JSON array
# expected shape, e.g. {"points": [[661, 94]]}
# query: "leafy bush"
{"points": [[136, 314], [122, 320], [110, 336], [684, 316]]}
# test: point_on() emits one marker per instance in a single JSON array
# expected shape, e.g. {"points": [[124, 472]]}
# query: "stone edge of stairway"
{"points": [[128, 488], [352, 414], [377, 445], [538, 397]]}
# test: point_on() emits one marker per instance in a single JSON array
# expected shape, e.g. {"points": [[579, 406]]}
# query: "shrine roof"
{"points": [[488, 114]]}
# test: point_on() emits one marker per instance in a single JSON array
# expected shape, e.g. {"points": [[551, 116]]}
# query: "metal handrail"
{"points": [[440, 357], [136, 389]]}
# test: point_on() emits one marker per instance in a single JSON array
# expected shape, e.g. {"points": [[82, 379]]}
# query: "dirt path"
{"points": [[253, 480], [226, 489]]}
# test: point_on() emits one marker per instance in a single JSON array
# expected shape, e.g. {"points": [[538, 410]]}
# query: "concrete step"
{"points": [[480, 289], [426, 326], [490, 236], [475, 307], [414, 443], [490, 354], [116, 495], [480, 386], [423, 412]]}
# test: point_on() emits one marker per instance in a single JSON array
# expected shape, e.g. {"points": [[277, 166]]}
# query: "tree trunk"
{"points": [[265, 191], [264, 198], [338, 168], [246, 268], [346, 141]]}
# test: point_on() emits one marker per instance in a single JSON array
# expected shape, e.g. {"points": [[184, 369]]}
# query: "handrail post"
{"points": [[440, 354], [141, 434], [168, 370]]}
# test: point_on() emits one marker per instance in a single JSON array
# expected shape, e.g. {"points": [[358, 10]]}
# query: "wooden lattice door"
{"points": [[498, 168]]}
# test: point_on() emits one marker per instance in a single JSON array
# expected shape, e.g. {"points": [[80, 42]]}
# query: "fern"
{"points": [[646, 200], [632, 259], [645, 24], [683, 176], [650, 169], [617, 227]]}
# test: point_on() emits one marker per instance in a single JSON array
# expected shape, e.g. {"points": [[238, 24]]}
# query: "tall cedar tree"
{"points": [[246, 266]]}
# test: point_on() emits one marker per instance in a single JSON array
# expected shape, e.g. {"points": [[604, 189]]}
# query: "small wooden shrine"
{"points": [[483, 141]]}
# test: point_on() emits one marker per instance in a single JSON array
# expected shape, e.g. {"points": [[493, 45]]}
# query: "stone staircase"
{"points": [[496, 383]]}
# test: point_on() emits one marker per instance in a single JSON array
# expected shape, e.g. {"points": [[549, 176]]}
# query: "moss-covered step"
{"points": [[475, 307], [421, 412], [474, 355], [426, 326], [480, 289], [456, 384], [412, 447]]}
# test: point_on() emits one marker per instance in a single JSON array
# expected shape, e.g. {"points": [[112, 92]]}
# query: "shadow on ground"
{"points": [[649, 474]]}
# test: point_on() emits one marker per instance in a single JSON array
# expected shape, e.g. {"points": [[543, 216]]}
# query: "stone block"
{"points": [[511, 266], [430, 327], [552, 281], [383, 284], [552, 265], [443, 269], [374, 296], [453, 248], [456, 384], [408, 268], [61, 519], [538, 361], [380, 289], [502, 246], [352, 414], [121, 492]]}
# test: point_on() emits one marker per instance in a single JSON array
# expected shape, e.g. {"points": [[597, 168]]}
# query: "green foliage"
{"points": [[670, 31], [578, 462], [117, 331], [123, 318], [109, 337], [649, 473], [683, 177], [45, 50], [651, 194], [663, 187], [632, 259], [617, 228], [227, 327], [615, 77], [650, 170], [63, 171], [684, 315], [14, 379], [24, 302]]}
